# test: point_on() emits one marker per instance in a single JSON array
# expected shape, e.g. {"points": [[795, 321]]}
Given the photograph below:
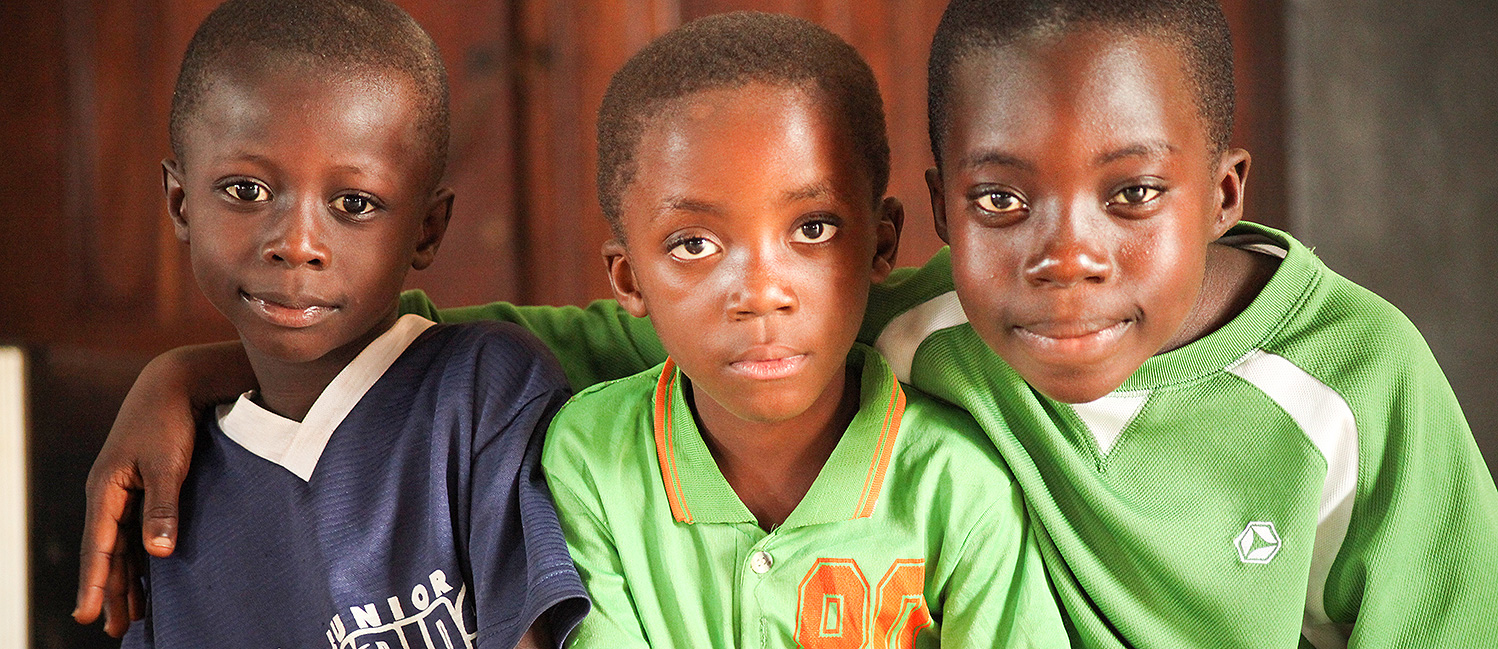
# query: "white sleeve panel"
{"points": [[904, 334]]}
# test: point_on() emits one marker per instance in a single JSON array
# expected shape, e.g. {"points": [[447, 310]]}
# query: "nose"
{"points": [[297, 238], [762, 287], [1071, 252]]}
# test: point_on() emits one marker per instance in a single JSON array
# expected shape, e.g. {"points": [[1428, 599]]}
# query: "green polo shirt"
{"points": [[912, 535]]}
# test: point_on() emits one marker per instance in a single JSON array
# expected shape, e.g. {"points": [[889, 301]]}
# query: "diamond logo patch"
{"points": [[1258, 543]]}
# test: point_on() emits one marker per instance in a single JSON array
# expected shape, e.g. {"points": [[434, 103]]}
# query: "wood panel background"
{"points": [[91, 271]]}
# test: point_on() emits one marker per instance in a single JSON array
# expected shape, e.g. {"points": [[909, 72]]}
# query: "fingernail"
{"points": [[161, 542]]}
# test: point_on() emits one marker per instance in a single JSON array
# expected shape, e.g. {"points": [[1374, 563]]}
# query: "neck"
{"points": [[289, 388], [772, 465], [1232, 279]]}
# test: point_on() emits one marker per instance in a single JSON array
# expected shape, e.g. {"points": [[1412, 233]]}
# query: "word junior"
{"points": [[433, 620]]}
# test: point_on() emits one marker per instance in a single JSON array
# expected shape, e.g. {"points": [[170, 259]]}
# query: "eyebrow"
{"points": [[684, 204], [992, 158], [246, 156], [820, 189], [1146, 149]]}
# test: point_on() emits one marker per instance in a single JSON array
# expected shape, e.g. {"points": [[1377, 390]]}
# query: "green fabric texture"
{"points": [[946, 530]]}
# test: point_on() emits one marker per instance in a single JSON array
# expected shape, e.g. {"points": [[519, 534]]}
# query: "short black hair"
{"points": [[1197, 29], [245, 35], [729, 51]]}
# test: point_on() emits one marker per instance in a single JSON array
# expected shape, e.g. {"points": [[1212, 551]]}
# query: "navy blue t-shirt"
{"points": [[407, 509]]}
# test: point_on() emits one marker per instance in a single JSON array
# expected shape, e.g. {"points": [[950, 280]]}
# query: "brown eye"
{"points": [[1135, 195], [248, 192], [693, 248], [1000, 202], [353, 204], [814, 232]]}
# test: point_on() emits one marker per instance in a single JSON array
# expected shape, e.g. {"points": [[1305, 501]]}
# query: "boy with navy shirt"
{"points": [[1222, 442], [382, 485]]}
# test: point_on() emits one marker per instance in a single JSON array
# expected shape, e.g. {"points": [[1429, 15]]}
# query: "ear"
{"points": [[622, 278], [176, 197], [1232, 179], [433, 226], [891, 222], [938, 203]]}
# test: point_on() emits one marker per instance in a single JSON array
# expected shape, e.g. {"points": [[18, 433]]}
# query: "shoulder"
{"points": [[906, 289], [1354, 372], [1344, 334], [907, 308], [492, 338], [604, 420], [947, 473], [497, 355], [943, 443]]}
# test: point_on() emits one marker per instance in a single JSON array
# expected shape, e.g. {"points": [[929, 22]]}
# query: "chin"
{"points": [[1071, 392], [1077, 386], [287, 349]]}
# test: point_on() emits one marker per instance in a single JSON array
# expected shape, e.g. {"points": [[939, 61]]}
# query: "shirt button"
{"points": [[760, 562]]}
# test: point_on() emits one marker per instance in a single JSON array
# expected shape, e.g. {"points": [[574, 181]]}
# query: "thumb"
{"points": [[158, 514]]}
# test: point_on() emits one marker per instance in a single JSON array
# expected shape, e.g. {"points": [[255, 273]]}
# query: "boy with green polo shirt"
{"points": [[1221, 442], [766, 486]]}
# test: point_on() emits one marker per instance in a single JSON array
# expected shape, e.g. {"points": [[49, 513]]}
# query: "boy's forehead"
{"points": [[701, 151], [365, 121], [263, 97], [1092, 88]]}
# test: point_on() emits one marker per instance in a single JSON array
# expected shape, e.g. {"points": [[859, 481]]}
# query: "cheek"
{"points": [[669, 287], [1168, 266], [212, 255], [984, 264]]}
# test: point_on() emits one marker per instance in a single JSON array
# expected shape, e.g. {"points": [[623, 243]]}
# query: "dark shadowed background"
{"points": [[1373, 124]]}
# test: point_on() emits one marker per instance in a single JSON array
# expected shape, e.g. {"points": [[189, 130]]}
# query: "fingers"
{"points": [[117, 589], [163, 483], [92, 574], [107, 504], [135, 564]]}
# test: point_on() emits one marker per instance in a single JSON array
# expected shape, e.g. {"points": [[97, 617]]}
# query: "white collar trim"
{"points": [[298, 445]]}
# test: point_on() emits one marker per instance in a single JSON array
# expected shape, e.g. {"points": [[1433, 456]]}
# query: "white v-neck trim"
{"points": [[298, 445]]}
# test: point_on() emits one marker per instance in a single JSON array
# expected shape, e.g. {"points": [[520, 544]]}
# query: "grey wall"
{"points": [[1393, 169]]}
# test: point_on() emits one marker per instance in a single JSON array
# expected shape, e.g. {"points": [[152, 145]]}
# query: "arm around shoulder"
{"points": [[593, 344], [148, 449]]}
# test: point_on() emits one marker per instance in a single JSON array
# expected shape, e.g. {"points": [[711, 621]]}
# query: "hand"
{"points": [[143, 462]]}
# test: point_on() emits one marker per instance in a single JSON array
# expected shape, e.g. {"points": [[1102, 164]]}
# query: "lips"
{"points": [[1073, 339], [768, 362], [288, 310]]}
